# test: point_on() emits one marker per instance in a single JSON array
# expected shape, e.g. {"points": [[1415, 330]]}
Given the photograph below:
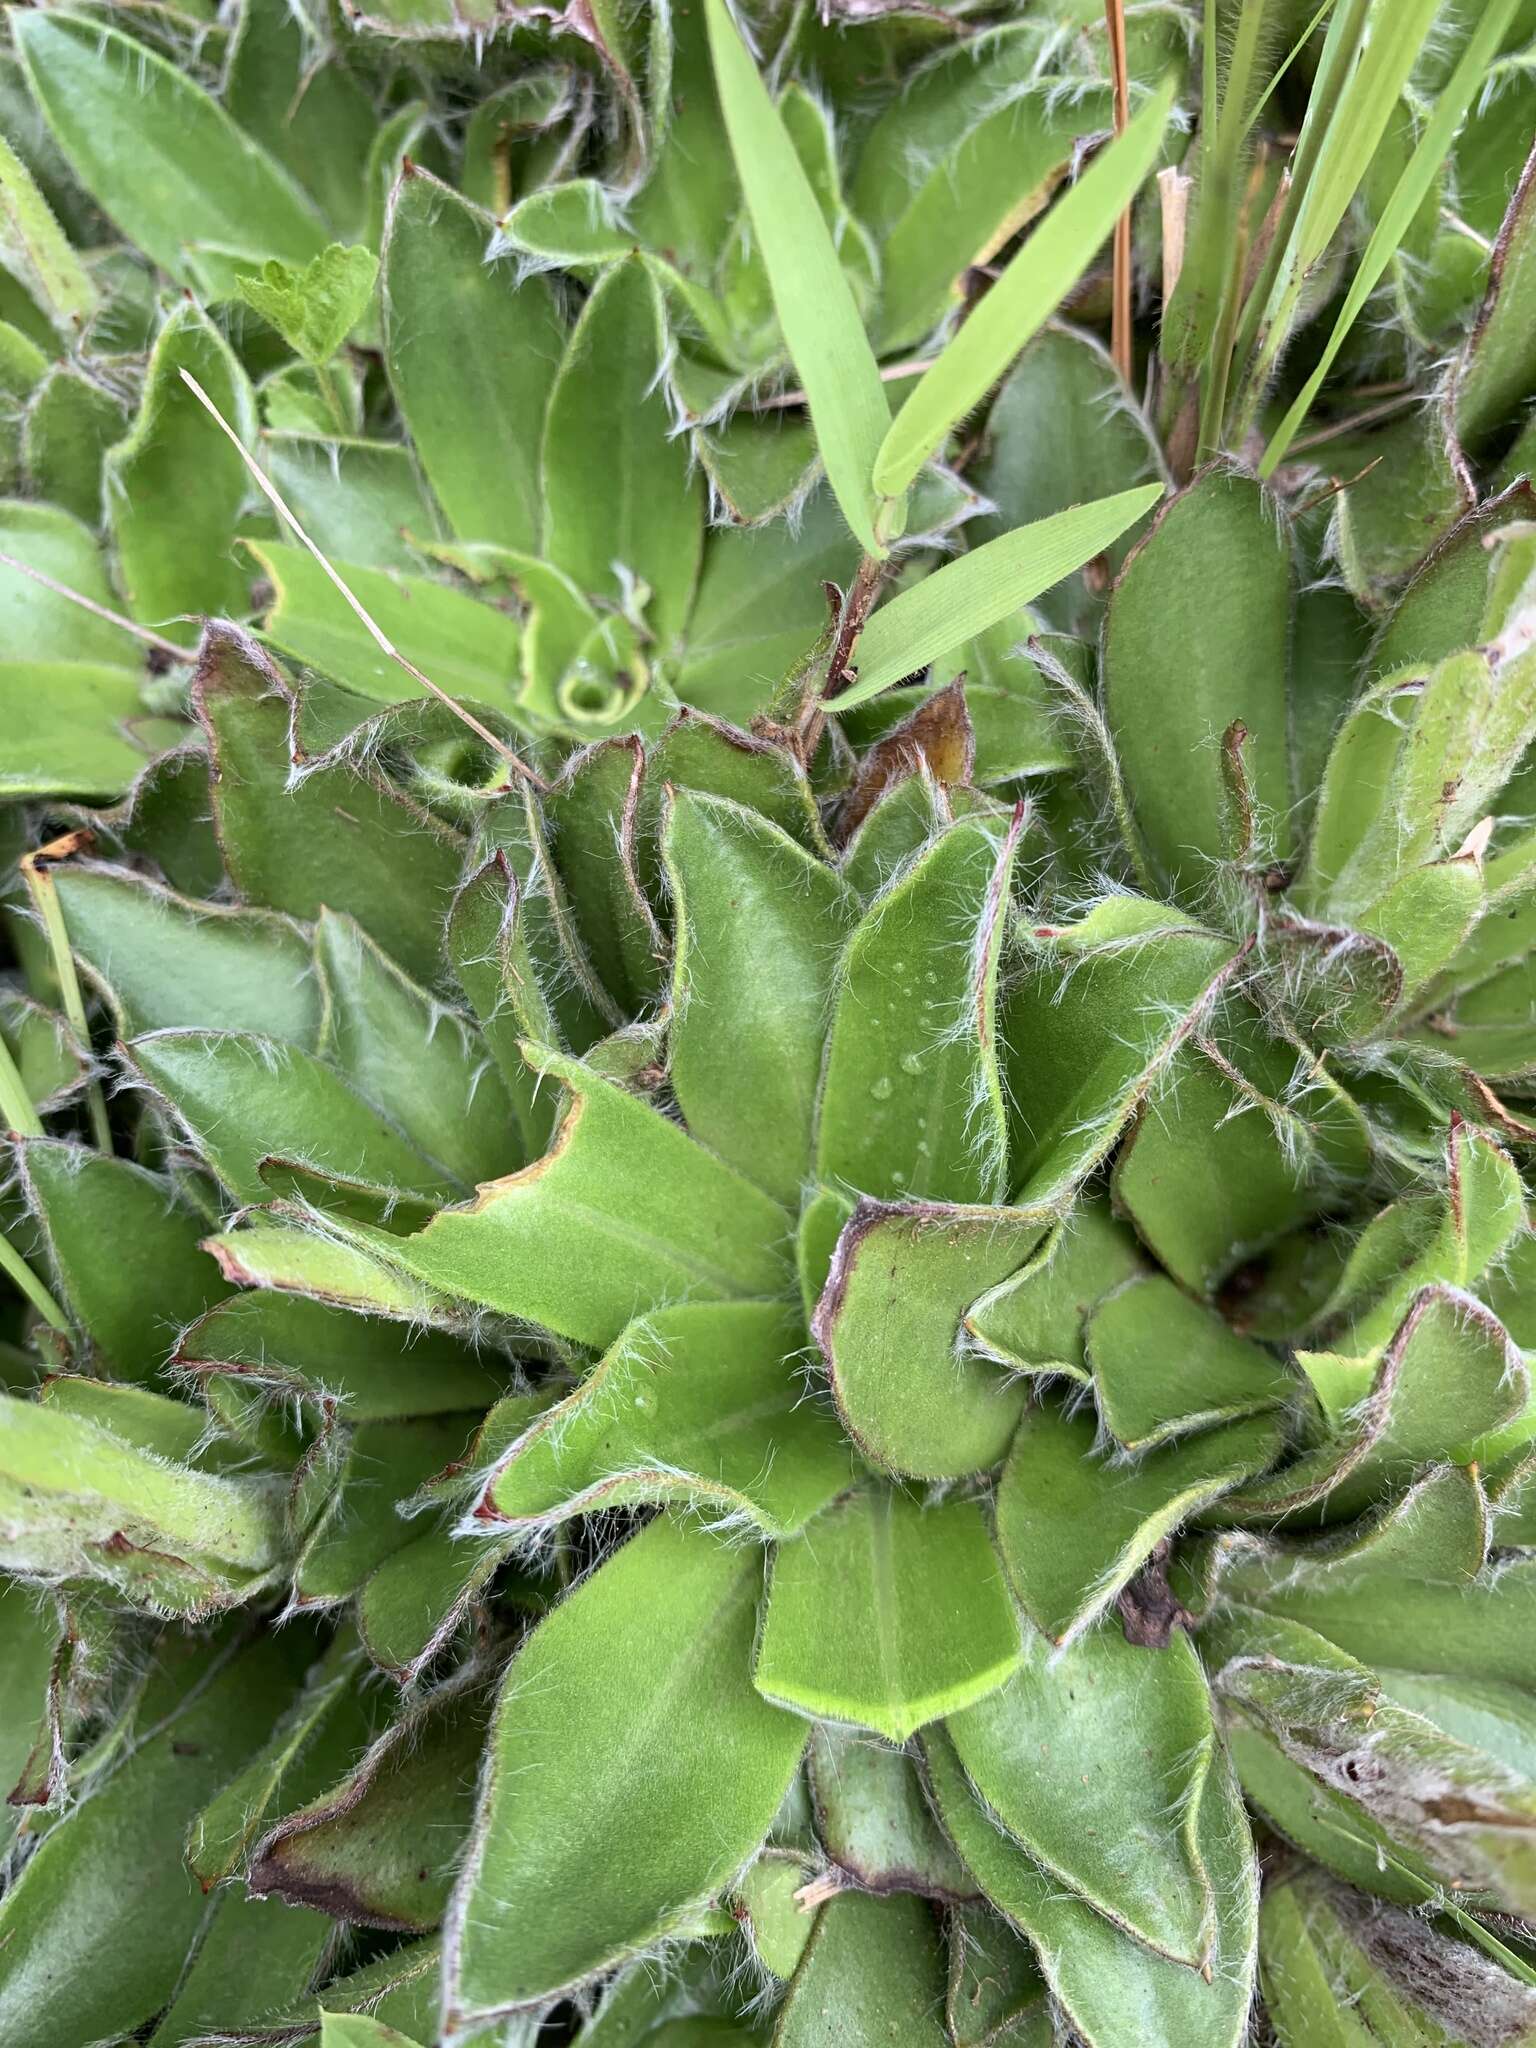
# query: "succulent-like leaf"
{"points": [[297, 849], [164, 961], [867, 1621], [1136, 1725], [877, 1966], [873, 1819], [1101, 1005], [124, 1252], [622, 513], [1163, 1366], [659, 1640], [112, 1872], [1217, 560], [676, 1220], [175, 486], [1111, 1985], [911, 1101], [357, 1848], [1074, 1530]]}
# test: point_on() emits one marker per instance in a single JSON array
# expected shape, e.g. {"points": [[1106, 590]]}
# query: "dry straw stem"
{"points": [[1122, 340], [88, 604], [35, 871]]}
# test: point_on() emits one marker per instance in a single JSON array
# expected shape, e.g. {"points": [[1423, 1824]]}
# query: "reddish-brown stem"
{"points": [[1120, 333]]}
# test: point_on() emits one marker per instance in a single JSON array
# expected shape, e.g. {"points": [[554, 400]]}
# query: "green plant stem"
{"points": [[332, 397], [16, 1269], [15, 1102], [1213, 399], [45, 900]]}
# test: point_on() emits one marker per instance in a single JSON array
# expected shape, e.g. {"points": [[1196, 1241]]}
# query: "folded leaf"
{"points": [[374, 1371], [379, 1848], [341, 837], [468, 648], [1035, 1321], [889, 1325], [395, 1044], [911, 1099], [1074, 1531], [1163, 1365], [385, 1464], [886, 1614], [247, 1099], [697, 1402], [175, 486], [1100, 1007], [671, 1218]]}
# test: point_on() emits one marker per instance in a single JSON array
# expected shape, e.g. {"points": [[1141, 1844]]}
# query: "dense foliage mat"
{"points": [[768, 1026]]}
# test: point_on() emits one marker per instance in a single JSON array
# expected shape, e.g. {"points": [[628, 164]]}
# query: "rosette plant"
{"points": [[740, 1312]]}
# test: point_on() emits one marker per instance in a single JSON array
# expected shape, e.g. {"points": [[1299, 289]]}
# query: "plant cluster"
{"points": [[769, 1026]]}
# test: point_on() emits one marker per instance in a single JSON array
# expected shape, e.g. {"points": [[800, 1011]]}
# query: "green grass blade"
{"points": [[1281, 69], [1023, 298], [814, 301], [1341, 42], [974, 592], [1392, 46], [1434, 145]]}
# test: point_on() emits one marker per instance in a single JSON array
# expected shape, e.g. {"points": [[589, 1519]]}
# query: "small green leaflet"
{"points": [[811, 293], [967, 596], [314, 308]]}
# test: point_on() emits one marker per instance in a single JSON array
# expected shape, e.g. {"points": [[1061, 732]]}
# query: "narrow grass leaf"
{"points": [[811, 293], [967, 596], [1023, 299], [1434, 146]]}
